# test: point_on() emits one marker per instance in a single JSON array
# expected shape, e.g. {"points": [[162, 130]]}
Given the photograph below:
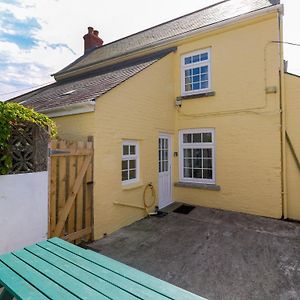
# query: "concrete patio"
{"points": [[213, 253]]}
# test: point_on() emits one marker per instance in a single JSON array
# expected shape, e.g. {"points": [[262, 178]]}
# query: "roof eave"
{"points": [[242, 18], [71, 109]]}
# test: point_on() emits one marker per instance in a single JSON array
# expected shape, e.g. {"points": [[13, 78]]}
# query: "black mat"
{"points": [[184, 209]]}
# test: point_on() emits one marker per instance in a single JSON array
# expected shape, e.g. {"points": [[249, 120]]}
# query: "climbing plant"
{"points": [[12, 114]]}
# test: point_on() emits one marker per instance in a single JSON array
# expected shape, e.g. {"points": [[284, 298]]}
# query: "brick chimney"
{"points": [[92, 40]]}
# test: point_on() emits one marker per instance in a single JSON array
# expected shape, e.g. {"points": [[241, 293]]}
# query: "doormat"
{"points": [[184, 209]]}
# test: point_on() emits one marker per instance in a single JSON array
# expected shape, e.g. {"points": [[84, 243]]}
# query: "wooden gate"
{"points": [[71, 190]]}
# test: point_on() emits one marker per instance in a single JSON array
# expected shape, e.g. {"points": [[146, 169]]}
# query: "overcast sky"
{"points": [[38, 38]]}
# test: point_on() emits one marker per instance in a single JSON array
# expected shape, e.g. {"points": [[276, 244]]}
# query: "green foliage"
{"points": [[10, 115]]}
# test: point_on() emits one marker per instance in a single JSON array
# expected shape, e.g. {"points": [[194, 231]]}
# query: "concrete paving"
{"points": [[213, 253]]}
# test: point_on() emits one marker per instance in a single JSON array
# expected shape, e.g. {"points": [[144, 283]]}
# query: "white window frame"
{"points": [[193, 65], [135, 157], [202, 145]]}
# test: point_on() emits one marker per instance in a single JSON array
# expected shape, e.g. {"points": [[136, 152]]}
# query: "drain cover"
{"points": [[184, 209]]}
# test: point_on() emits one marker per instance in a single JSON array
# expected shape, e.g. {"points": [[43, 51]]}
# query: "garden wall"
{"points": [[23, 210]]}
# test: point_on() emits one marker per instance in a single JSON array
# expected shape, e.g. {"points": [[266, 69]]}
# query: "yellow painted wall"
{"points": [[138, 109], [76, 127], [245, 118], [292, 99]]}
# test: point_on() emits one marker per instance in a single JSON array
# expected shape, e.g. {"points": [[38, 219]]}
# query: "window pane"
{"points": [[159, 167], [188, 72], [188, 87], [165, 156], [197, 153], [196, 58], [132, 149], [204, 69], [204, 56], [187, 173], [197, 163], [207, 163], [187, 163], [188, 60], [196, 71], [204, 85], [196, 86], [207, 174], [197, 138], [166, 166], [124, 175], [188, 80], [132, 174], [197, 173], [204, 77], [187, 152], [196, 78], [132, 164], [207, 153], [125, 149], [187, 138], [124, 164], [207, 138]]}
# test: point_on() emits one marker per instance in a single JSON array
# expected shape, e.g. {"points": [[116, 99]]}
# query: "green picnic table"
{"points": [[55, 269]]}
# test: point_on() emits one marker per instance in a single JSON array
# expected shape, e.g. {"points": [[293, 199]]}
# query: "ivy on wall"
{"points": [[10, 115]]}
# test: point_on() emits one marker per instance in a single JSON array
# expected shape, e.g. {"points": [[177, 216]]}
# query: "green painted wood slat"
{"points": [[17, 286], [160, 286], [69, 283], [38, 280], [56, 269], [126, 284], [81, 274]]}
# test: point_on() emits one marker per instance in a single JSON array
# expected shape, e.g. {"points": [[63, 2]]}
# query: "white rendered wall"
{"points": [[23, 210]]}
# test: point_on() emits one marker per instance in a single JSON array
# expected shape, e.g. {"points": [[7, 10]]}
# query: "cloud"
{"points": [[18, 31], [27, 56], [14, 2]]}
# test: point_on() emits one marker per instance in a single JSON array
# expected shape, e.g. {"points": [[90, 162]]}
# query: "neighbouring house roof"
{"points": [[88, 88], [292, 74], [213, 14]]}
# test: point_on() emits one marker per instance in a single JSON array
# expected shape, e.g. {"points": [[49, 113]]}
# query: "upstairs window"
{"points": [[130, 162], [195, 72]]}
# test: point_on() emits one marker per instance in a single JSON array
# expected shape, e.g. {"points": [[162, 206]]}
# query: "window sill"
{"points": [[201, 186], [132, 186], [195, 96]]}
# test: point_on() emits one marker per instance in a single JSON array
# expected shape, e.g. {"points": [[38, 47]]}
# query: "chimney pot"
{"points": [[92, 40]]}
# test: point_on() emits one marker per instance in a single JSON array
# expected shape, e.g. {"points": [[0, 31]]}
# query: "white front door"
{"points": [[165, 170]]}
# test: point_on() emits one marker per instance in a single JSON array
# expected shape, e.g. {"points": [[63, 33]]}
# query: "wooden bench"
{"points": [[55, 269]]}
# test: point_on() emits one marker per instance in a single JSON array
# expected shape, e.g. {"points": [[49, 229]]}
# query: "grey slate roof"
{"points": [[85, 89], [221, 11]]}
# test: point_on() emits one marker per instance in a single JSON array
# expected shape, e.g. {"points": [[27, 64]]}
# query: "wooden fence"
{"points": [[71, 190]]}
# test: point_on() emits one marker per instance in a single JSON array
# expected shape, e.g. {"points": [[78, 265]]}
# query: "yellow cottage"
{"points": [[199, 106]]}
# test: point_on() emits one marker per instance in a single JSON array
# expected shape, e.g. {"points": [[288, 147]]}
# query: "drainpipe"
{"points": [[282, 121]]}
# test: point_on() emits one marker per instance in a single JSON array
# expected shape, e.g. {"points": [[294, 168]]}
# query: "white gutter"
{"points": [[239, 19], [71, 109]]}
